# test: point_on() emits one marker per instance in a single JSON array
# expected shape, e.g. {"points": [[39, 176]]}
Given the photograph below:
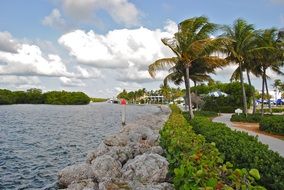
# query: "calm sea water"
{"points": [[36, 141]]}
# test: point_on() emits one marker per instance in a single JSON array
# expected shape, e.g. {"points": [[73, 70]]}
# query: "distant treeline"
{"points": [[98, 99], [35, 96]]}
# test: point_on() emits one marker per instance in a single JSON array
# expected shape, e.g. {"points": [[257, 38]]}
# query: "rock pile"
{"points": [[130, 159]]}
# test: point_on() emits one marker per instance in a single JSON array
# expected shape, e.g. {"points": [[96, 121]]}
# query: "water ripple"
{"points": [[36, 141]]}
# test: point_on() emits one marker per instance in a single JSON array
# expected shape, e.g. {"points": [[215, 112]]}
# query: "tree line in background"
{"points": [[197, 54], [140, 96], [35, 96]]}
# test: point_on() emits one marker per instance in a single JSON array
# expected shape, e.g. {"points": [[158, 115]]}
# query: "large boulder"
{"points": [[119, 139], [87, 184], [146, 168], [122, 154], [74, 173], [143, 135], [160, 186], [114, 184], [100, 150], [106, 167]]}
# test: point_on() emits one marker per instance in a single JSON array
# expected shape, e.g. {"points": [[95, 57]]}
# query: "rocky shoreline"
{"points": [[130, 159]]}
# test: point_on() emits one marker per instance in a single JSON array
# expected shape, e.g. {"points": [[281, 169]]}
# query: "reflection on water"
{"points": [[36, 141]]}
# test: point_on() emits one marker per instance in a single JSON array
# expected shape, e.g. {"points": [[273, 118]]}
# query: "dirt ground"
{"points": [[255, 128]]}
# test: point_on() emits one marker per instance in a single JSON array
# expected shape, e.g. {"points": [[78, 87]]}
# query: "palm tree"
{"points": [[191, 45], [270, 55], [241, 36], [251, 66]]}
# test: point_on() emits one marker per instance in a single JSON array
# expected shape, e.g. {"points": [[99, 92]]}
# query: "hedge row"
{"points": [[274, 110], [243, 151], [205, 113], [273, 124], [270, 123], [250, 118], [195, 164]]}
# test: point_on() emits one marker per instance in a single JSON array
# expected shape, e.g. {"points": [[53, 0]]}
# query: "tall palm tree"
{"points": [[191, 44], [270, 55], [251, 66], [241, 36]]}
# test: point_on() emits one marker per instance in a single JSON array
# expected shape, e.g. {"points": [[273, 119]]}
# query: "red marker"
{"points": [[123, 102]]}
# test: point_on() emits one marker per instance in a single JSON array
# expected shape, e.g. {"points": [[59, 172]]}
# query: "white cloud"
{"points": [[88, 72], [19, 80], [71, 82], [133, 74], [117, 48], [55, 20], [7, 43], [121, 11], [29, 60], [129, 51]]}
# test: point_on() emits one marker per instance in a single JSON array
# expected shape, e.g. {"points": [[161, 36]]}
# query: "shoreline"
{"points": [[130, 159]]}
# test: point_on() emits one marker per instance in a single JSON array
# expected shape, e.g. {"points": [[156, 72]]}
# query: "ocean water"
{"points": [[37, 141]]}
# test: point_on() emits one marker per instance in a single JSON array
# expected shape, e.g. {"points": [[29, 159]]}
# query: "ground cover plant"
{"points": [[273, 124], [250, 118], [243, 151], [196, 164]]}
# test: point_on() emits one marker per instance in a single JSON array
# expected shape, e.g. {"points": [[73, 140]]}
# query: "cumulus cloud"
{"points": [[89, 72], [118, 48], [29, 60], [71, 82], [133, 74], [55, 20], [129, 51], [19, 80], [121, 11], [7, 43]]}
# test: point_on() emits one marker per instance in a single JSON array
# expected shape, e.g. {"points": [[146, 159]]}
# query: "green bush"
{"points": [[250, 118], [205, 113], [195, 164], [219, 104], [243, 151], [274, 110], [273, 124], [224, 104]]}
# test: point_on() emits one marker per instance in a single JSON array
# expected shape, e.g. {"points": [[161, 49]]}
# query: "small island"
{"points": [[36, 96]]}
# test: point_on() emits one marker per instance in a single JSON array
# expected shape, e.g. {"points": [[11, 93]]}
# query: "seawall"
{"points": [[130, 159]]}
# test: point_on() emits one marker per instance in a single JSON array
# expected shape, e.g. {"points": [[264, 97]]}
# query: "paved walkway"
{"points": [[274, 144]]}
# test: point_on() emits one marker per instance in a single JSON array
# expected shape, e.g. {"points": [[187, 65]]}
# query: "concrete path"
{"points": [[274, 144]]}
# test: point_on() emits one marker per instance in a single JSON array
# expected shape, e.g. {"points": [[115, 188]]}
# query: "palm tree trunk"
{"points": [[267, 94], [253, 95], [243, 89], [195, 84], [188, 93], [262, 92]]}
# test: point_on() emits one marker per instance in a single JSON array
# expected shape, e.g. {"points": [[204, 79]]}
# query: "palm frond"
{"points": [[161, 64]]}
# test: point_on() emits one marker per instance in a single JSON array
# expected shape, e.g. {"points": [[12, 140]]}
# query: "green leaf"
{"points": [[212, 182], [254, 173]]}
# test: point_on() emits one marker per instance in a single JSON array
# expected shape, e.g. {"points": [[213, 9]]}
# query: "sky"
{"points": [[101, 47]]}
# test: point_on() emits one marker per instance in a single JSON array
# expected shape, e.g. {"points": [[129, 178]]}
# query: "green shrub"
{"points": [[205, 113], [274, 110], [273, 124], [250, 118], [219, 104], [195, 164], [243, 151]]}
